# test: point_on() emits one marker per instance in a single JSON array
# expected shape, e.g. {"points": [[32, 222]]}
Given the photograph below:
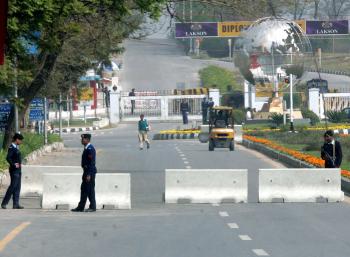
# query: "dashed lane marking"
{"points": [[260, 252], [188, 167], [233, 225], [12, 235], [223, 214], [186, 162], [182, 155], [244, 237], [215, 204], [184, 158]]}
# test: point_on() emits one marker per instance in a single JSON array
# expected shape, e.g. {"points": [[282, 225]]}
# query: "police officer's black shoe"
{"points": [[18, 207], [77, 210], [90, 210], [3, 206]]}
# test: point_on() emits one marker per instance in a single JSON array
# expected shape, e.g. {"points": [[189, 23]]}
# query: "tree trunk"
{"points": [[29, 93]]}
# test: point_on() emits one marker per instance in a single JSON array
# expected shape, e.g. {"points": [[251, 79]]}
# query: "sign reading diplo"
{"points": [[234, 28]]}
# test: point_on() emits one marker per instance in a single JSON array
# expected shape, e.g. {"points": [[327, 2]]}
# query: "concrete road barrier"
{"points": [[206, 185], [32, 176], [300, 185], [112, 190], [238, 133]]}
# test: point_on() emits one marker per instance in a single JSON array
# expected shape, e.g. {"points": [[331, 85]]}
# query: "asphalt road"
{"points": [[153, 64], [152, 228]]}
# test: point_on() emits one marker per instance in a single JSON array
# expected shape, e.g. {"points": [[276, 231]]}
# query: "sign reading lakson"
{"points": [[196, 29], [340, 27]]}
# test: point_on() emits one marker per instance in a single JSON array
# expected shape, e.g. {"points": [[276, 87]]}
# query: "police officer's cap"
{"points": [[86, 136], [329, 133], [17, 136]]}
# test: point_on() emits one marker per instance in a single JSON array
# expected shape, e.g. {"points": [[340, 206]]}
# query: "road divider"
{"points": [[32, 177], [63, 189], [300, 185], [206, 185]]}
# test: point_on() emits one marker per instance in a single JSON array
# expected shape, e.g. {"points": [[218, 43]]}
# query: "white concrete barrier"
{"points": [[206, 185], [64, 189], [61, 189], [300, 185], [113, 189], [238, 133], [32, 176]]}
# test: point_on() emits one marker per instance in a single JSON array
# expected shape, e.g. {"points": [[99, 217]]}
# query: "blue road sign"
{"points": [[36, 110], [5, 110]]}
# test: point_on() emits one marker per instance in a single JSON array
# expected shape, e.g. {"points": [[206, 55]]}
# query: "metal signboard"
{"points": [[340, 27], [5, 109], [36, 110], [196, 29]]}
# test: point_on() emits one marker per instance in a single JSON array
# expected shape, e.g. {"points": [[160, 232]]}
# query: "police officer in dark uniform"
{"points": [[14, 159], [88, 163], [331, 151]]}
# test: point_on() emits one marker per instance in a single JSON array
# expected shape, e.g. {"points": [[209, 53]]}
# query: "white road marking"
{"points": [[102, 133], [182, 155], [186, 162], [245, 237], [232, 225], [184, 158], [188, 167], [223, 214], [215, 204], [260, 252]]}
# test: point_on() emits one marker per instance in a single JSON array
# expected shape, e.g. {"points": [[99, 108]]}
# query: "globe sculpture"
{"points": [[269, 51]]}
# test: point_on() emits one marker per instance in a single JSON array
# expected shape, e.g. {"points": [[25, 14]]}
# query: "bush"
{"points": [[238, 116], [337, 116], [234, 99], [308, 114], [313, 146], [31, 143], [276, 118], [214, 75]]}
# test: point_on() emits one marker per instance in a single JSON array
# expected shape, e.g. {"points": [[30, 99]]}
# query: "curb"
{"points": [[57, 146], [288, 160], [284, 158], [175, 136], [72, 130]]}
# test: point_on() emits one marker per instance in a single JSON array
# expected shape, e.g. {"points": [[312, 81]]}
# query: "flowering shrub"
{"points": [[318, 162]]}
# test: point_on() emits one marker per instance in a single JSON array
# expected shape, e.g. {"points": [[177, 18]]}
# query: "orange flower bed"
{"points": [[318, 162]]}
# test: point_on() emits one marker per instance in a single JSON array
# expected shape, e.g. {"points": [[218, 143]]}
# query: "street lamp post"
{"points": [[291, 102]]}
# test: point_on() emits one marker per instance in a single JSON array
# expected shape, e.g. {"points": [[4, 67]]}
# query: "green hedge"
{"points": [[31, 143], [214, 75]]}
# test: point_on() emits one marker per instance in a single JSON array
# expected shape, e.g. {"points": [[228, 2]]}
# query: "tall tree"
{"points": [[46, 26]]}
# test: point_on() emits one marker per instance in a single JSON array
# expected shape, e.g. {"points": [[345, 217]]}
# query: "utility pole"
{"points": [[291, 102], [45, 121], [15, 94], [60, 114], [68, 110], [191, 17], [230, 48]]}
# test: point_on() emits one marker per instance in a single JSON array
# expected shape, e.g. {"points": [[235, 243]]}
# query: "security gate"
{"points": [[159, 107]]}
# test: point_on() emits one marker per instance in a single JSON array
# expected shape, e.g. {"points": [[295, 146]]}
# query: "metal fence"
{"points": [[336, 101], [159, 107]]}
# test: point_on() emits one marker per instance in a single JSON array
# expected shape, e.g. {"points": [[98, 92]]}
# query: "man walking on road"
{"points": [[14, 159], [143, 127], [331, 151], [88, 163]]}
